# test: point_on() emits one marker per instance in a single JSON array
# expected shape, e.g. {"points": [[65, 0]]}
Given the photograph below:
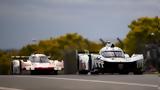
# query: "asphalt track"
{"points": [[79, 82]]}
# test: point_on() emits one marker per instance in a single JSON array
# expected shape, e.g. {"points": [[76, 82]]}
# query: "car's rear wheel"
{"points": [[138, 71], [124, 72], [33, 72], [83, 72], [55, 72]]}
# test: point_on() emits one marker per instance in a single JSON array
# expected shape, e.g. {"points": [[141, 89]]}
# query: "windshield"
{"points": [[108, 54], [40, 59]]}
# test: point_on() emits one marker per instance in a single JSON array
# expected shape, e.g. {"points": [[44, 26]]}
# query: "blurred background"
{"points": [[59, 27]]}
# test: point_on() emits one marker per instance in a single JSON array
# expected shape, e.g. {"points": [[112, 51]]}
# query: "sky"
{"points": [[24, 21]]}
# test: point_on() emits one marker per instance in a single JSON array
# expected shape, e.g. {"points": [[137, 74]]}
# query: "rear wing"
{"points": [[87, 52], [19, 57], [23, 57]]}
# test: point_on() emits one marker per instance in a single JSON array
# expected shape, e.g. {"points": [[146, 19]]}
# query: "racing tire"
{"points": [[83, 72], [33, 72], [55, 72], [25, 72], [123, 72], [138, 72], [95, 72]]}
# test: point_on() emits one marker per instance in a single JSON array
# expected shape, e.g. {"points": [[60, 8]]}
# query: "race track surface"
{"points": [[79, 82]]}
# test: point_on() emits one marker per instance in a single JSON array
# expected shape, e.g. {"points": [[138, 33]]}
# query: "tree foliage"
{"points": [[56, 47], [144, 37], [5, 58], [142, 31]]}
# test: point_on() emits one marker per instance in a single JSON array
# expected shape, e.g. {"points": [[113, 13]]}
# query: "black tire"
{"points": [[25, 72], [83, 72], [55, 72], [95, 71], [33, 72], [124, 72], [138, 72]]}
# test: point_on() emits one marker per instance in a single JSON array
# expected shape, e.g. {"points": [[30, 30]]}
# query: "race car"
{"points": [[110, 59], [35, 64]]}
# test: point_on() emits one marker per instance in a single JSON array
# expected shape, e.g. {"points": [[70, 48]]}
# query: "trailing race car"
{"points": [[35, 64], [110, 59]]}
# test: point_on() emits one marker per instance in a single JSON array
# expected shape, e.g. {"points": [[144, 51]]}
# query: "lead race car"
{"points": [[35, 64], [110, 59]]}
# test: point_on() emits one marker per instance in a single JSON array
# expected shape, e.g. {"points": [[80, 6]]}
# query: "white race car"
{"points": [[110, 59], [35, 64]]}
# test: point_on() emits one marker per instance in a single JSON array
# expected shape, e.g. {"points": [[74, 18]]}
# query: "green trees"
{"points": [[56, 47], [144, 37], [143, 31], [5, 58], [3, 63]]}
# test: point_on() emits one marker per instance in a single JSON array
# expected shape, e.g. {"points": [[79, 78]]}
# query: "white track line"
{"points": [[96, 81], [6, 88]]}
